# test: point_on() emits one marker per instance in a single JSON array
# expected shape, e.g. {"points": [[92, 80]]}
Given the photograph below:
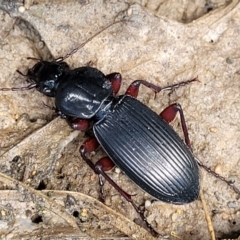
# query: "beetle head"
{"points": [[47, 75]]}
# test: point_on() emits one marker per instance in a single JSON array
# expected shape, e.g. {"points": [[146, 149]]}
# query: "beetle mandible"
{"points": [[136, 139]]}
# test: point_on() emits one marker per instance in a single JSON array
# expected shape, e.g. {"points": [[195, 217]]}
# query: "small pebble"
{"points": [[229, 60], [21, 9], [115, 197], [16, 116], [3, 213], [225, 216], [147, 203], [129, 12], [174, 217], [117, 170], [213, 129], [179, 211], [107, 201], [84, 212], [84, 215], [218, 169], [232, 204], [217, 195]]}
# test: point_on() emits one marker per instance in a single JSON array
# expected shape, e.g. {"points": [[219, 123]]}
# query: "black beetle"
{"points": [[139, 141]]}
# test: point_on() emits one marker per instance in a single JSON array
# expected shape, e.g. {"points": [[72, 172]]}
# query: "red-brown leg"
{"points": [[105, 164], [116, 80], [102, 165], [168, 114], [78, 123], [133, 89]]}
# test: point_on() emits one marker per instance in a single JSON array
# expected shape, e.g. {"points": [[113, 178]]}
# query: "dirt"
{"points": [[151, 46]]}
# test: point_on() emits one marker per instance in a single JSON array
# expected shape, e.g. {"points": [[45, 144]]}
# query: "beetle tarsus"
{"points": [[144, 219], [216, 175], [172, 87], [101, 190]]}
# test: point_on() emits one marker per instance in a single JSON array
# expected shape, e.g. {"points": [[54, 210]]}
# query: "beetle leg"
{"points": [[216, 175], [133, 89], [74, 123], [169, 113], [116, 81], [102, 165], [105, 164], [88, 146], [78, 123]]}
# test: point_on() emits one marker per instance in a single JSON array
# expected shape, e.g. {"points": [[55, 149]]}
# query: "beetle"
{"points": [[136, 139]]}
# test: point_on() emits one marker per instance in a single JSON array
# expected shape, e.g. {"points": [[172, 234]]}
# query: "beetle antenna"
{"points": [[29, 87], [36, 59], [181, 84], [60, 59], [22, 74]]}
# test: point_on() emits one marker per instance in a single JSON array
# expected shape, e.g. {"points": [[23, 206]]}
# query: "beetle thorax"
{"points": [[83, 92]]}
